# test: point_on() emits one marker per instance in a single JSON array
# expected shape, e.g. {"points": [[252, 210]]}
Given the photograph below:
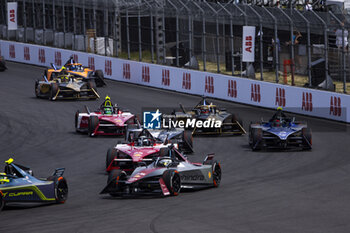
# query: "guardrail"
{"points": [[269, 95]]}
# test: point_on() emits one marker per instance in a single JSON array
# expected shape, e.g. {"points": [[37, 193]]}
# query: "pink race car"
{"points": [[109, 120]]}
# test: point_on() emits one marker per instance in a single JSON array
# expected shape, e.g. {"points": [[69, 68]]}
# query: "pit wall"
{"points": [[305, 101]]}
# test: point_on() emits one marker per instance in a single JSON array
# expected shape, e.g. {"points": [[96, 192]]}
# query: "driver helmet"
{"points": [[164, 162], [108, 111]]}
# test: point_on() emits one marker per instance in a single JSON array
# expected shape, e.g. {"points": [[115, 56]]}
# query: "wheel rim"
{"points": [[176, 184], [217, 175]]}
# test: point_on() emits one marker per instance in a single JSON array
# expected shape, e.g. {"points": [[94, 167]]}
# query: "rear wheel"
{"points": [[53, 90], [93, 123], [99, 78], [61, 189], [2, 201], [111, 154], [172, 181], [307, 138], [37, 89], [187, 140], [256, 139]]}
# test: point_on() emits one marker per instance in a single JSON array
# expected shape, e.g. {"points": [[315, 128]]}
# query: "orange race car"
{"points": [[76, 69]]}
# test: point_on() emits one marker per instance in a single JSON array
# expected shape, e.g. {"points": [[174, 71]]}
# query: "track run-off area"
{"points": [[266, 191]]}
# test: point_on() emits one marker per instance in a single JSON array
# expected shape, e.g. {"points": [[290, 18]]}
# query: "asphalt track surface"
{"points": [[290, 191]]}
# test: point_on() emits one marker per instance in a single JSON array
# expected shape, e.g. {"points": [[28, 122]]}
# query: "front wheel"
{"points": [[172, 181], [53, 91], [93, 123], [37, 89], [111, 154], [2, 202]]}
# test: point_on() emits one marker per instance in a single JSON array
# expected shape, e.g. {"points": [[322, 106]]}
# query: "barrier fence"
{"points": [[253, 92], [198, 34]]}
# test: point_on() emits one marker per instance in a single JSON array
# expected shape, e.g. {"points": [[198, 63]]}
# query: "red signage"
{"points": [[41, 54], [12, 51], [126, 71], [108, 67], [26, 53], [335, 106], [255, 95], [165, 77], [58, 58], [186, 81], [13, 16], [209, 84], [232, 88], [145, 74], [91, 63], [280, 97], [307, 102]]}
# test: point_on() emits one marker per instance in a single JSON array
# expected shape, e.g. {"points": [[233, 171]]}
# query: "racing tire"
{"points": [[2, 202], [61, 190], [111, 154], [172, 181], [93, 123], [256, 139], [53, 90], [2, 64], [216, 172], [115, 175], [37, 89], [234, 120], [99, 78], [91, 85], [307, 136], [76, 120]]}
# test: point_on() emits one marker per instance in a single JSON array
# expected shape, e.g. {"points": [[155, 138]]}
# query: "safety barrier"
{"points": [[305, 101]]}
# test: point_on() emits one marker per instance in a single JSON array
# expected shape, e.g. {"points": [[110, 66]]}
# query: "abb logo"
{"points": [[255, 93], [12, 51], [209, 84], [186, 81], [108, 67], [165, 77], [12, 15], [91, 63], [335, 106], [41, 54], [280, 97], [307, 102], [26, 53], [248, 43], [232, 88], [126, 71], [58, 59], [145, 74]]}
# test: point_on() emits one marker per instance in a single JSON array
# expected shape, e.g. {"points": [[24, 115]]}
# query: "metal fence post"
{"points": [[342, 51], [204, 46], [64, 25], [261, 43], [95, 26], [106, 39], [291, 43], [44, 23], [308, 47], [54, 22], [276, 47], [25, 21], [325, 45], [74, 26], [127, 33], [34, 21], [139, 30], [84, 27]]}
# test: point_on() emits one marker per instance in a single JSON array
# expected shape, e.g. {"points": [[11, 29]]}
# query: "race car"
{"points": [[17, 184], [78, 70], [108, 120], [165, 176], [230, 124], [180, 136], [2, 64], [65, 86], [142, 148], [280, 132]]}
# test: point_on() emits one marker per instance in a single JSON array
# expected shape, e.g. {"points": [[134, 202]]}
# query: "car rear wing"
{"points": [[59, 172]]}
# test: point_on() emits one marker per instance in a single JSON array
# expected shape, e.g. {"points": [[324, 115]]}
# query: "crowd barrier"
{"points": [[299, 100]]}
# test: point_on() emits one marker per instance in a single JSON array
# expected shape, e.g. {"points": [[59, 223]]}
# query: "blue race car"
{"points": [[17, 184], [280, 132]]}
